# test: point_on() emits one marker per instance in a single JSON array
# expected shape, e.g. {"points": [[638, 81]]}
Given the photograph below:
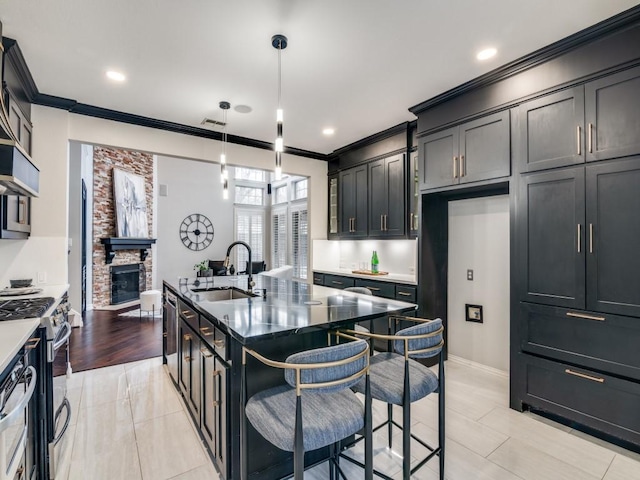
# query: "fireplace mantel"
{"points": [[111, 244]]}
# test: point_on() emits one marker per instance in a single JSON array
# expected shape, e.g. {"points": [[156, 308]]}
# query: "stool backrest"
{"points": [[433, 336], [343, 351]]}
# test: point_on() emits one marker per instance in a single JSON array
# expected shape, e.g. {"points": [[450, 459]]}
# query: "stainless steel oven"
{"points": [[57, 405], [15, 393]]}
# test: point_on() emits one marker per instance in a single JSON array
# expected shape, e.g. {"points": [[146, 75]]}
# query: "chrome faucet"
{"points": [[250, 282]]}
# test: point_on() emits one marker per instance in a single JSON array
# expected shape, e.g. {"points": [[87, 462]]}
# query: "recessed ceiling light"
{"points": [[243, 108], [328, 131], [486, 53], [116, 76]]}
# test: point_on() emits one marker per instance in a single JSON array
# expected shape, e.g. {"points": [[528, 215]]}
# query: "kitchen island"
{"points": [[208, 321]]}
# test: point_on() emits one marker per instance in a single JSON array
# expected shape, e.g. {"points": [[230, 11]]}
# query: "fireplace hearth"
{"points": [[125, 283]]}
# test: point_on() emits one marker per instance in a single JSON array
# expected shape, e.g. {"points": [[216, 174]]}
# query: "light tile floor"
{"points": [[130, 423]]}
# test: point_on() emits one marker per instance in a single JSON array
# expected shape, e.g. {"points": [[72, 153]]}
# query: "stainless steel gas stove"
{"points": [[53, 314]]}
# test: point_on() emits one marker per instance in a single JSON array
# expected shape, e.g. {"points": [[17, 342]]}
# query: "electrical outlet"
{"points": [[469, 274], [42, 277]]}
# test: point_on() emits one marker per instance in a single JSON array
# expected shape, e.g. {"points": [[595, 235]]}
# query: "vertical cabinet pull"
{"points": [[579, 237], [590, 138], [411, 221], [382, 222], [455, 167], [22, 211], [591, 238], [463, 167], [578, 142]]}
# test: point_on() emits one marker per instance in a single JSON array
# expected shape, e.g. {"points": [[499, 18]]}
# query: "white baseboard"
{"points": [[479, 366]]}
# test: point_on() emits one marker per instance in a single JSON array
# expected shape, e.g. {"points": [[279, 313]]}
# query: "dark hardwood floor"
{"points": [[108, 339]]}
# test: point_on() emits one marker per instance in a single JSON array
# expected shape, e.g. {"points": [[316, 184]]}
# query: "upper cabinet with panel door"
{"points": [[387, 197], [597, 121], [471, 152], [353, 202]]}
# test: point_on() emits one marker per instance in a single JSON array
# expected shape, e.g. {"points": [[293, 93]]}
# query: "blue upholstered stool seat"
{"points": [[387, 379], [326, 417]]}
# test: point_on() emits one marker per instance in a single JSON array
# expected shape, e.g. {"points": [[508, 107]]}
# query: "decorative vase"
{"points": [[205, 273]]}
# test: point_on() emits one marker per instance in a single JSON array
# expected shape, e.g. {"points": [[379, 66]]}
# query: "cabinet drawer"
{"points": [[600, 341], [318, 278], [379, 289], [599, 401], [215, 338], [406, 293], [189, 315], [336, 281]]}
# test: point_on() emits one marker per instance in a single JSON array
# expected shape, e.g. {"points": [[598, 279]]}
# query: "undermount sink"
{"points": [[217, 294]]}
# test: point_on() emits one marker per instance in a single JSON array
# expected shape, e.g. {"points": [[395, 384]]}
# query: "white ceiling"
{"points": [[356, 65]]}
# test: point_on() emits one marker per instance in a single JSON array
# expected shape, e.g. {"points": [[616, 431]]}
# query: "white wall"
{"points": [[479, 240], [75, 225], [47, 248], [193, 187]]}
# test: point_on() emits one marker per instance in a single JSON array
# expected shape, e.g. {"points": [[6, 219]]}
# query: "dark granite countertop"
{"points": [[287, 308]]}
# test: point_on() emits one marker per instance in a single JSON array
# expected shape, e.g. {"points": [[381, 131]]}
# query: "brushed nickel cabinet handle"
{"points": [[585, 316], [187, 358], [578, 142], [216, 373], [405, 294], [382, 222], [216, 403], [32, 343], [411, 221], [416, 223], [584, 375], [219, 343], [206, 353], [375, 289], [463, 166], [187, 337], [336, 282], [591, 238], [579, 237], [455, 167], [187, 314], [206, 331], [590, 138]]}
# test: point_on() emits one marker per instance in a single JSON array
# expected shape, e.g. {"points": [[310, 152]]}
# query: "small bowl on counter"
{"points": [[21, 283]]}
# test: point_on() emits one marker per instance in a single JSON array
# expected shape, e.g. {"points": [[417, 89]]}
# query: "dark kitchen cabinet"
{"points": [[596, 121], [387, 197], [550, 235], [471, 152], [19, 122], [612, 114], [353, 202], [170, 334], [379, 289], [189, 368], [214, 418], [579, 234], [550, 131], [612, 237]]}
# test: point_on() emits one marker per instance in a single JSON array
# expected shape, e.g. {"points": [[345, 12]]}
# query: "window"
{"points": [[279, 237], [249, 195], [300, 242], [250, 174], [280, 194], [300, 188], [249, 229]]}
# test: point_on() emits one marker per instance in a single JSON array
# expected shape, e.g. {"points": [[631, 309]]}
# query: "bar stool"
{"points": [[397, 379], [317, 389]]}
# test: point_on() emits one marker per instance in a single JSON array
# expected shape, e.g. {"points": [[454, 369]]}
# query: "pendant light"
{"points": [[279, 42], [224, 172]]}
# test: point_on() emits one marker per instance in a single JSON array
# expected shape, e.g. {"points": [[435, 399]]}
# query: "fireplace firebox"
{"points": [[125, 283]]}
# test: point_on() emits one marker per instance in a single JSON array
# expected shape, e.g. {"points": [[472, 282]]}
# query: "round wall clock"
{"points": [[196, 232]]}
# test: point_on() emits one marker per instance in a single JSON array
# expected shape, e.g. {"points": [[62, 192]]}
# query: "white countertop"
{"points": [[13, 335], [391, 277], [55, 291]]}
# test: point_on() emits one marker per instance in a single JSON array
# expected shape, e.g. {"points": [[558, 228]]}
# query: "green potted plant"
{"points": [[202, 269]]}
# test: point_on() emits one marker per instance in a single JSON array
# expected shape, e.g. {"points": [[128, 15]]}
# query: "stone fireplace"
{"points": [[104, 222]]}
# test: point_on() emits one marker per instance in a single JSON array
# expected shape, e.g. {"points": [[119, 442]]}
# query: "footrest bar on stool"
{"points": [[425, 460], [361, 465]]}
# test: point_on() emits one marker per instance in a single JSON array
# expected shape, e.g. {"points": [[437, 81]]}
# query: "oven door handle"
{"points": [[64, 338], [8, 419], [67, 407]]}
